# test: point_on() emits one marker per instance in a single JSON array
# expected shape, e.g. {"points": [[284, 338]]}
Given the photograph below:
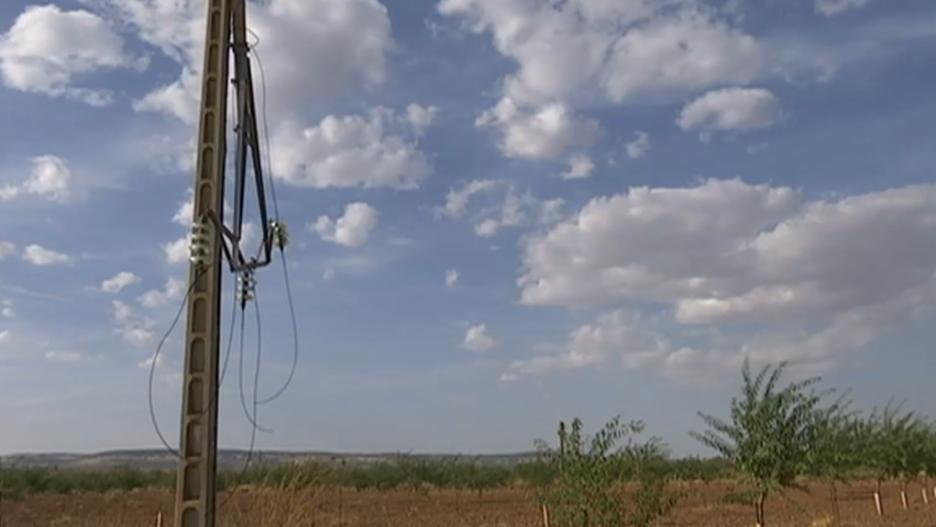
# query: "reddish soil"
{"points": [[704, 505]]}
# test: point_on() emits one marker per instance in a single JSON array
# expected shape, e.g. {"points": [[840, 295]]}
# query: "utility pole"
{"points": [[226, 34], [198, 453]]}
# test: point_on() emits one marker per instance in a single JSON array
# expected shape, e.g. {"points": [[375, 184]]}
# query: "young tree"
{"points": [[835, 453], [586, 493], [770, 433], [893, 445]]}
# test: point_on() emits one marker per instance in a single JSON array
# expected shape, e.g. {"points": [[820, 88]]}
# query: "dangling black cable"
{"points": [[155, 360]]}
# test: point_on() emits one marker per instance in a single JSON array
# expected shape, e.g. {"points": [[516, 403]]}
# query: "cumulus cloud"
{"points": [[578, 53], [5, 336], [837, 7], [369, 151], [6, 309], [639, 146], [173, 290], [731, 109], [350, 41], [177, 251], [505, 206], [136, 330], [478, 339], [421, 117], [580, 166], [50, 177], [451, 278], [39, 255], [544, 133], [456, 201], [119, 281], [48, 48], [351, 230], [7, 249], [8, 192], [618, 334], [820, 278]]}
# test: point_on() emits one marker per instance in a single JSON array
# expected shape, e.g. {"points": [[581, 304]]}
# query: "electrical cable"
{"points": [[155, 360], [240, 379], [230, 340], [272, 183]]}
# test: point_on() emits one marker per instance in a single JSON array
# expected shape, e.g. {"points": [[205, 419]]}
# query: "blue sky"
{"points": [[503, 212]]}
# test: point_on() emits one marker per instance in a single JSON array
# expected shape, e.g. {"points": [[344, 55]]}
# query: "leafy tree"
{"points": [[835, 453], [770, 434], [894, 444], [586, 492]]}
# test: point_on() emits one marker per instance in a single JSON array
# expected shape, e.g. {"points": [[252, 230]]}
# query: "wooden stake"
{"points": [[903, 500], [925, 496], [159, 519], [545, 516], [877, 504]]}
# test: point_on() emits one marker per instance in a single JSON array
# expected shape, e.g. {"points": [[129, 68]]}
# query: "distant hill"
{"points": [[162, 460]]}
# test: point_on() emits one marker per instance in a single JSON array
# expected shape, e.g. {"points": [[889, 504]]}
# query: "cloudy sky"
{"points": [[503, 213]]}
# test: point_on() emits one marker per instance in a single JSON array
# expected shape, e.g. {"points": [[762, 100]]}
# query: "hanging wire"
{"points": [[272, 183], [240, 379], [155, 360]]}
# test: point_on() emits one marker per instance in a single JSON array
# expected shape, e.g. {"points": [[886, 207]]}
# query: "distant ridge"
{"points": [[162, 460]]}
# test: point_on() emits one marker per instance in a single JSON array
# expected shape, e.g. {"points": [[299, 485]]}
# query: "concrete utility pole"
{"points": [[195, 487], [226, 30]]}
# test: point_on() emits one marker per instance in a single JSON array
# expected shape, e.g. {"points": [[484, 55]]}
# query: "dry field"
{"points": [[704, 505]]}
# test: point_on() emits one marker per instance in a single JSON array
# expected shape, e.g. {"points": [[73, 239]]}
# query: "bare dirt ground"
{"points": [[704, 505]]}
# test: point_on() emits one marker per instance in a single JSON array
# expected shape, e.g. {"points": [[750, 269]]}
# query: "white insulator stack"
{"points": [[199, 244]]}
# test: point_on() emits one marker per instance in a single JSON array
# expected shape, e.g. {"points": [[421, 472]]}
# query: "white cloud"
{"points": [[510, 208], [837, 7], [586, 52], [173, 290], [731, 109], [8, 192], [177, 251], [50, 177], [5, 336], [639, 146], [6, 309], [478, 339], [580, 166], [6, 249], [350, 230], [451, 278], [818, 278], [39, 255], [184, 216], [421, 117], [544, 133], [136, 330], [348, 40], [119, 281], [456, 201], [48, 48], [619, 334], [369, 151]]}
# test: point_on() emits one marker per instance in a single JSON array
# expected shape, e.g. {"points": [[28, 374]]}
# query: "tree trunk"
{"points": [[878, 504], [759, 509], [835, 503]]}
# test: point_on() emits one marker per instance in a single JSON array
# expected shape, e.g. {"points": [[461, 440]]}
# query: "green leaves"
{"points": [[589, 471], [773, 431]]}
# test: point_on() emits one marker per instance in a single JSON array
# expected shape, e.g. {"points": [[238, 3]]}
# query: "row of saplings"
{"points": [[777, 435]]}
